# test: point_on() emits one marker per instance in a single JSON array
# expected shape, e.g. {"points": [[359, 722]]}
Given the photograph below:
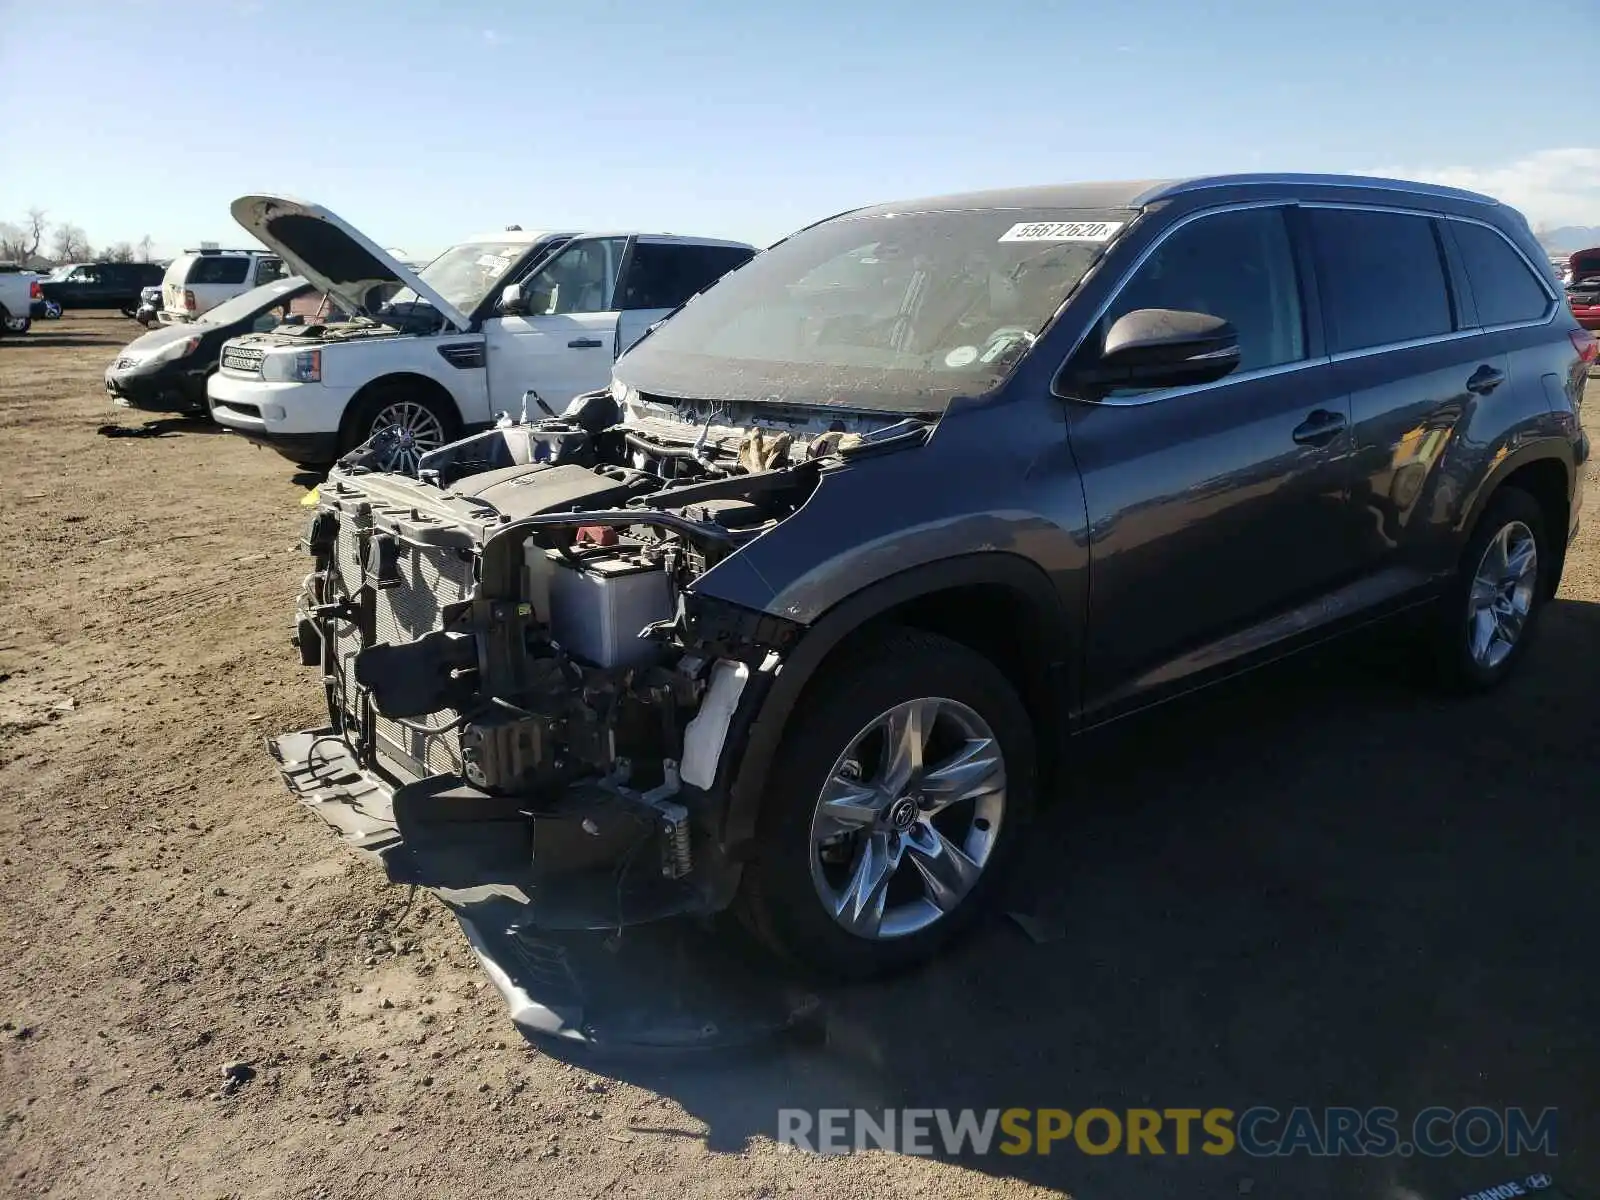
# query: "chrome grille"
{"points": [[242, 359], [431, 579]]}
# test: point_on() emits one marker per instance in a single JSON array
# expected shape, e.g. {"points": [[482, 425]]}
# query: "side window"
{"points": [[270, 319], [1235, 265], [231, 268], [1382, 277], [665, 274], [85, 275], [580, 279], [269, 269], [1503, 286]]}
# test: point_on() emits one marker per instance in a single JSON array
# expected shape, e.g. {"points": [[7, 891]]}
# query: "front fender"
{"points": [[758, 730], [992, 499]]}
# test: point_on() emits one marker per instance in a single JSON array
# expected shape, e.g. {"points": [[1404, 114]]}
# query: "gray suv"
{"points": [[795, 618]]}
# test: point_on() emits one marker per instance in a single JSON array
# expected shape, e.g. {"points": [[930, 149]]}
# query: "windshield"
{"points": [[900, 312], [465, 274], [247, 304]]}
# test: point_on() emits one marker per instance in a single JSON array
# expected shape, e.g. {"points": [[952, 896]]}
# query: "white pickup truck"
{"points": [[18, 292], [461, 340]]}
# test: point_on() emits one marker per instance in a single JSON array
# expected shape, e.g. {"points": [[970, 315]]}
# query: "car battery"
{"points": [[599, 604]]}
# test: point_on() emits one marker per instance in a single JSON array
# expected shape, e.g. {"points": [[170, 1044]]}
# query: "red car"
{"points": [[1585, 301], [1583, 287]]}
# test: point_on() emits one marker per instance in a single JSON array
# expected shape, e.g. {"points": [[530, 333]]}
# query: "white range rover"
{"points": [[460, 341]]}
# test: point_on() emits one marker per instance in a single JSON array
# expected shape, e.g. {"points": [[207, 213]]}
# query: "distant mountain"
{"points": [[1568, 238]]}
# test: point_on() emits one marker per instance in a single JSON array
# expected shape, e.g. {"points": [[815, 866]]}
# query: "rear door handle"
{"points": [[1320, 428], [1485, 379], [585, 343]]}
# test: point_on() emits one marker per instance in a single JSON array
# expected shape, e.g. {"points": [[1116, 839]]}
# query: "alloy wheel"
{"points": [[1502, 596], [416, 429], [908, 818]]}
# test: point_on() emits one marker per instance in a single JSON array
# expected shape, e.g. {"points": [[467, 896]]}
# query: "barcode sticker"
{"points": [[1062, 231]]}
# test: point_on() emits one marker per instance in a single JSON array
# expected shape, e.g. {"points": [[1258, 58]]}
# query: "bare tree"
{"points": [[70, 242], [35, 228], [119, 252], [13, 243], [19, 243], [145, 246]]}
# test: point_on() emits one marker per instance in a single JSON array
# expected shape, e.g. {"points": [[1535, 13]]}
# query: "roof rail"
{"points": [[219, 250], [1290, 179]]}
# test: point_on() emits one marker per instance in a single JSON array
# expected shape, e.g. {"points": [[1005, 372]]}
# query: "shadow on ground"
{"points": [[173, 426], [1324, 886], [34, 338]]}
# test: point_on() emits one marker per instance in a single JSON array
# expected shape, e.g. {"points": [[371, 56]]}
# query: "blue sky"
{"points": [[425, 122]]}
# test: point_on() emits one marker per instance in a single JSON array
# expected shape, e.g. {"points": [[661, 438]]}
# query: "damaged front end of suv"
{"points": [[525, 692], [765, 625]]}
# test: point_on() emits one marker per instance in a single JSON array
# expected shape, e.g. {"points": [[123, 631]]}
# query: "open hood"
{"points": [[334, 255]]}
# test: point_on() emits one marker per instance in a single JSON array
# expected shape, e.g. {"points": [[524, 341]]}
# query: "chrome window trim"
{"points": [[1410, 343], [1181, 187], [1155, 397]]}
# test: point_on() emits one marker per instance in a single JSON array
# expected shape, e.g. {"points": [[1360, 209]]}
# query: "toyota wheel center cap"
{"points": [[903, 813]]}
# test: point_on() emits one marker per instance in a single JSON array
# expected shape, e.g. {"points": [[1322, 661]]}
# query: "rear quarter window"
{"points": [[218, 269], [1382, 277], [1504, 287]]}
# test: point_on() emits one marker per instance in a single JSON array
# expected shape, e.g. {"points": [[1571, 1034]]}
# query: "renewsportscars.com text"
{"points": [[1258, 1132]]}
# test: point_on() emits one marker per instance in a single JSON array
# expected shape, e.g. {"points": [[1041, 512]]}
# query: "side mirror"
{"points": [[1162, 347], [511, 301]]}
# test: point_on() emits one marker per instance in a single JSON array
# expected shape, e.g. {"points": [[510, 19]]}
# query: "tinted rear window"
{"points": [[1382, 277], [218, 269], [665, 274], [1504, 287]]}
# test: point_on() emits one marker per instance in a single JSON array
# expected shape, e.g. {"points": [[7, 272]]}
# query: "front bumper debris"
{"points": [[544, 904]]}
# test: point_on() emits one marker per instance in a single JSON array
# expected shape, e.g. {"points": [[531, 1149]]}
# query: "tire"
{"points": [[389, 401], [1481, 632], [792, 887]]}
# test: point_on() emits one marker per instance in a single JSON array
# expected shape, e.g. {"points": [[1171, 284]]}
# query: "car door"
{"points": [[661, 274], [1404, 344], [1218, 513], [80, 289], [120, 287], [561, 344]]}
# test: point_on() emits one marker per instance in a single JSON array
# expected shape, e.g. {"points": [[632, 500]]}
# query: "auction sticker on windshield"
{"points": [[1061, 231]]}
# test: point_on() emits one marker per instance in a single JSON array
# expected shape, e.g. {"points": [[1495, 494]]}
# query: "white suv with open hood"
{"points": [[460, 341]]}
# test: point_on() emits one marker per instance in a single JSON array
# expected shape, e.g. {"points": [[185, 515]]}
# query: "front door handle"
{"points": [[1320, 428], [585, 343], [1485, 379]]}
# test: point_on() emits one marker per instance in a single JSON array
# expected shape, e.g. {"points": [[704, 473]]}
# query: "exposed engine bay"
{"points": [[511, 641], [414, 319]]}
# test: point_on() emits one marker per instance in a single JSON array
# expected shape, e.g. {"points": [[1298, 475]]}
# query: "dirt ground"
{"points": [[1324, 886]]}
